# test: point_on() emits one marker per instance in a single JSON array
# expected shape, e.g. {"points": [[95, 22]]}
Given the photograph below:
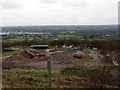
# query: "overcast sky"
{"points": [[59, 12]]}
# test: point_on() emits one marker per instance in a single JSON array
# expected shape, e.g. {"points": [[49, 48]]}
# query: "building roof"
{"points": [[39, 46]]}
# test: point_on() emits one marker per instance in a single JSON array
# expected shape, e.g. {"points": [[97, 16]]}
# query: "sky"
{"points": [[58, 12]]}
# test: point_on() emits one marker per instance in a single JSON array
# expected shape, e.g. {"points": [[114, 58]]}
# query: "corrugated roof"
{"points": [[39, 46]]}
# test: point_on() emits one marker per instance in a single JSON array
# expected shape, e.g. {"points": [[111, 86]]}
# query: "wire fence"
{"points": [[49, 77], [82, 84], [65, 81]]}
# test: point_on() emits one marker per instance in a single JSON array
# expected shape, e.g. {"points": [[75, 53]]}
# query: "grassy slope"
{"points": [[66, 78]]}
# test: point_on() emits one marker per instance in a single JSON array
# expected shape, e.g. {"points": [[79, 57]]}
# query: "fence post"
{"points": [[49, 74]]}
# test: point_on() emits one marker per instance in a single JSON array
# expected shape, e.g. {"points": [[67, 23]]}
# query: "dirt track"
{"points": [[59, 59]]}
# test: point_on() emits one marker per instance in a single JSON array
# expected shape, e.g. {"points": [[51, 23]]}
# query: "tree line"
{"points": [[111, 44]]}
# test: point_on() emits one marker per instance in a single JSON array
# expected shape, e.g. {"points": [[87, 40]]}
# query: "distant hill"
{"points": [[59, 28]]}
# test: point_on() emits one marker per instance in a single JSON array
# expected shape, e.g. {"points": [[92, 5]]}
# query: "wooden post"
{"points": [[49, 74]]}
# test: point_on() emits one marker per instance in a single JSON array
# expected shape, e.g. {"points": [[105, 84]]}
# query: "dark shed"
{"points": [[39, 47]]}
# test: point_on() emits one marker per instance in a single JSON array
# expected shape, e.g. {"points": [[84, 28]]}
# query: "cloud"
{"points": [[49, 1], [75, 3], [50, 12], [10, 4]]}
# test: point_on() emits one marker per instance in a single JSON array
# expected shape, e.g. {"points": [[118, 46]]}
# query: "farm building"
{"points": [[39, 47], [107, 35]]}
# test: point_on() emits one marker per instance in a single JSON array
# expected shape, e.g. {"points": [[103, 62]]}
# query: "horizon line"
{"points": [[60, 25]]}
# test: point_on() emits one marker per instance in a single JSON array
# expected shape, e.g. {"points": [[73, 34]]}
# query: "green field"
{"points": [[14, 47], [7, 53], [62, 36], [75, 36]]}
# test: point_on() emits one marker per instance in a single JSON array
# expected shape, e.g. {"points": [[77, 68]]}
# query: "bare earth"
{"points": [[59, 59]]}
